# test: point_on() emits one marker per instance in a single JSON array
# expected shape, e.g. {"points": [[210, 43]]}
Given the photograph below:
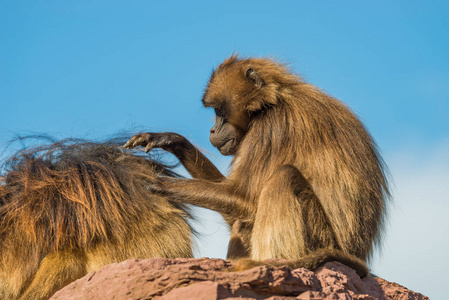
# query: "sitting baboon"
{"points": [[71, 207], [306, 184]]}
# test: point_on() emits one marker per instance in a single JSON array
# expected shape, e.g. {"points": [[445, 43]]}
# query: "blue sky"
{"points": [[92, 68]]}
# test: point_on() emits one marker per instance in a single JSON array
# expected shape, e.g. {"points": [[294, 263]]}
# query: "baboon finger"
{"points": [[149, 141], [138, 140], [131, 142], [149, 147], [142, 140], [127, 145]]}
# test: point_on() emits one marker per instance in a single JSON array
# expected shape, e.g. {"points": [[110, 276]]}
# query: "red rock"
{"points": [[207, 279]]}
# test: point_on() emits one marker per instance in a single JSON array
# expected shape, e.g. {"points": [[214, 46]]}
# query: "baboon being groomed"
{"points": [[306, 184], [69, 208]]}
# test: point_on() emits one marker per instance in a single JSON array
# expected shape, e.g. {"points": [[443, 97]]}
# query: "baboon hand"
{"points": [[165, 140]]}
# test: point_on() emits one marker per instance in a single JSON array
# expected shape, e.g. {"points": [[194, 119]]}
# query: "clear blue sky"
{"points": [[92, 68]]}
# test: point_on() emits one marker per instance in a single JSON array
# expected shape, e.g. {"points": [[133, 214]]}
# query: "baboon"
{"points": [[306, 182], [71, 207]]}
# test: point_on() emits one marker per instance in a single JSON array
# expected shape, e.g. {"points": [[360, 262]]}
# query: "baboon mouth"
{"points": [[228, 147]]}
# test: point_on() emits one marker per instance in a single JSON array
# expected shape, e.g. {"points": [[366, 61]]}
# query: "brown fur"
{"points": [[69, 208], [306, 177]]}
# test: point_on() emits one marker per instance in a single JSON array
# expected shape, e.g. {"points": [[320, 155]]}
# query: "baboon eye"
{"points": [[221, 108], [219, 112]]}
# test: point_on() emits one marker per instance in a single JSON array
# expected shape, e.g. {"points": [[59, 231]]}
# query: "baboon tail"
{"points": [[311, 261], [319, 257]]}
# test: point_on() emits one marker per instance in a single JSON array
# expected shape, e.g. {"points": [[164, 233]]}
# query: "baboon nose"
{"points": [[212, 131]]}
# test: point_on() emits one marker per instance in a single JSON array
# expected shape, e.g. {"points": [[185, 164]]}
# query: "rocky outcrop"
{"points": [[205, 278]]}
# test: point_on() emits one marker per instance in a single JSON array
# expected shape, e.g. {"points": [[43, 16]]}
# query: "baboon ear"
{"points": [[252, 75]]}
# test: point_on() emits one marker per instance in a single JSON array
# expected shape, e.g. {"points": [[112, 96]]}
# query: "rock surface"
{"points": [[207, 279]]}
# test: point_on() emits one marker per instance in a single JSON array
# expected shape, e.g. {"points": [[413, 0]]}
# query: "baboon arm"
{"points": [[217, 196], [198, 165]]}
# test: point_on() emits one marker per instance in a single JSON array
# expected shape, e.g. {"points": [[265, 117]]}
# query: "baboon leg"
{"points": [[55, 271], [290, 220], [240, 239], [236, 248]]}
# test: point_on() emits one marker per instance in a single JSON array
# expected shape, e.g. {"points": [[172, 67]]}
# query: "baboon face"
{"points": [[232, 92], [223, 135], [230, 126]]}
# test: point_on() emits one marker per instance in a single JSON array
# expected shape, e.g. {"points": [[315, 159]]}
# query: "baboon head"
{"points": [[237, 92]]}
